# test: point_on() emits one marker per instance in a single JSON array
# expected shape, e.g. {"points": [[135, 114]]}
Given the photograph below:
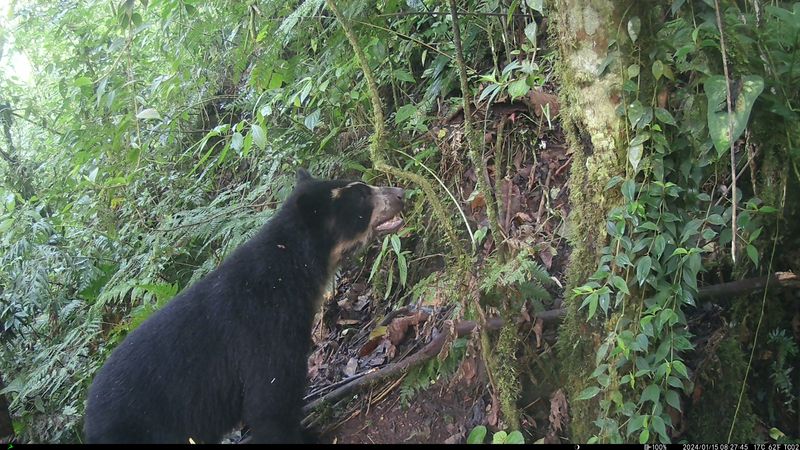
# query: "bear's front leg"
{"points": [[273, 411]]}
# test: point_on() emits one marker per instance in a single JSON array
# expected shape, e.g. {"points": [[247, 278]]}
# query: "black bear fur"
{"points": [[232, 349]]}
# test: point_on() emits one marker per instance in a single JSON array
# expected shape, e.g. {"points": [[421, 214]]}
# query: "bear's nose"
{"points": [[397, 192]]}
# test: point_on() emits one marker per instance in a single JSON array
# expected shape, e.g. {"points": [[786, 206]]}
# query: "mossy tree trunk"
{"points": [[6, 426], [591, 80]]}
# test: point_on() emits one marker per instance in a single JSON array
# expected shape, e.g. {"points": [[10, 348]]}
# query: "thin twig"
{"points": [[730, 128], [412, 39], [472, 140]]}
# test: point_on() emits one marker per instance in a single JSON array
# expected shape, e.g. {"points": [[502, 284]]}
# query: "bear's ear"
{"points": [[302, 177]]}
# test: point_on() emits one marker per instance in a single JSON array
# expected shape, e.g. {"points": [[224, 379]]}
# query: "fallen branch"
{"points": [[742, 287], [463, 328], [374, 375]]}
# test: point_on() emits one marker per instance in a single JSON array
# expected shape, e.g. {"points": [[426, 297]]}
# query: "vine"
{"points": [[672, 220]]}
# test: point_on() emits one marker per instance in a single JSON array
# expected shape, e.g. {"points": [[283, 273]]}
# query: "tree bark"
{"points": [[6, 426], [591, 81]]}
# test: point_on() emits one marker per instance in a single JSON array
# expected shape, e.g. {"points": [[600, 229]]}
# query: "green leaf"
{"points": [[722, 126], [673, 399], [148, 113], [530, 31], [635, 156], [480, 234], [259, 136], [776, 434], [82, 81], [515, 437], [477, 435], [651, 393], [615, 180], [659, 427], [680, 367], [404, 113], [601, 353], [588, 393], [312, 120], [658, 245], [628, 190], [499, 437], [248, 143], [237, 140], [402, 267], [620, 284], [403, 75], [634, 27], [6, 224], [395, 241], [658, 69], [593, 300], [635, 424], [536, 5], [518, 88], [643, 266], [644, 436], [753, 254], [636, 112], [664, 116]]}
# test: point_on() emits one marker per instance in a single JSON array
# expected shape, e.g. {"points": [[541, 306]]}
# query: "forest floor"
{"points": [[359, 334]]}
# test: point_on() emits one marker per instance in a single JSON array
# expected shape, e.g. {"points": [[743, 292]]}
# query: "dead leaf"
{"points": [[375, 338], [537, 99], [559, 416], [352, 366], [547, 258], [493, 411], [347, 322], [454, 439], [469, 370], [477, 201], [523, 217], [537, 330], [396, 331]]}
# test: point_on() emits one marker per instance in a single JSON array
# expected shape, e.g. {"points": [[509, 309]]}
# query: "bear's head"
{"points": [[347, 214]]}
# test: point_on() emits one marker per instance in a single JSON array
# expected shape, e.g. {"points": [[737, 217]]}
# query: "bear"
{"points": [[232, 348]]}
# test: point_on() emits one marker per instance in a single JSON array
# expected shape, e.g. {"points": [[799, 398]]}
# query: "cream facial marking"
{"points": [[336, 193]]}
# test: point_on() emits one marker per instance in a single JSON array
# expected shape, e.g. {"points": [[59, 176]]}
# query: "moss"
{"points": [[721, 380], [506, 375]]}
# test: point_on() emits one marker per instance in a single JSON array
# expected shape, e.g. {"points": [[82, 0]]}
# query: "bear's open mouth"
{"points": [[390, 226]]}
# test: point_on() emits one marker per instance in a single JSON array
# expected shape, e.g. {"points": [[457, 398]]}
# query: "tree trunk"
{"points": [[590, 92], [6, 427]]}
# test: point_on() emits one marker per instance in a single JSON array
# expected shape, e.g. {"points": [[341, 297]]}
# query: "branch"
{"points": [[10, 159], [378, 141], [730, 129], [432, 349], [473, 141], [747, 286]]}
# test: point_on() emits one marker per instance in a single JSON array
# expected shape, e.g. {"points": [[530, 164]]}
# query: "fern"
{"points": [[520, 272]]}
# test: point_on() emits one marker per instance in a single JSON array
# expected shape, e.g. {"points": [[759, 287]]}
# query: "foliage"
{"points": [[478, 435], [781, 368], [520, 279], [673, 221], [154, 137], [399, 258], [435, 370]]}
